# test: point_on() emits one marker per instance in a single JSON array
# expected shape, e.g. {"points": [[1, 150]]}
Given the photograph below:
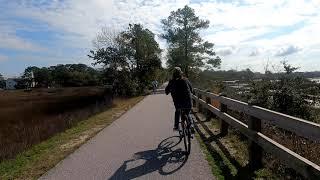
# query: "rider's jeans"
{"points": [[177, 117]]}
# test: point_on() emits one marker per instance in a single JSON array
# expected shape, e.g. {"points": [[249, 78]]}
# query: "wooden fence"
{"points": [[252, 130]]}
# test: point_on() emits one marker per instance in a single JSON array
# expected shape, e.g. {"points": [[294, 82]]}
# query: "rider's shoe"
{"points": [[175, 129]]}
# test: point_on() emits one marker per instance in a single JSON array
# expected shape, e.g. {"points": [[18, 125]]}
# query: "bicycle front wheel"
{"points": [[188, 141]]}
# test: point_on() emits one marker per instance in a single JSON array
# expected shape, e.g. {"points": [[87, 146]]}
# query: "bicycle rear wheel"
{"points": [[188, 138], [186, 135]]}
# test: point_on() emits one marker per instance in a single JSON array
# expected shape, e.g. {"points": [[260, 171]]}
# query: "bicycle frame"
{"points": [[185, 131]]}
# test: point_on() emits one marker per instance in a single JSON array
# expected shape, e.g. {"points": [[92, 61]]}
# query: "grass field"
{"points": [[27, 118], [38, 159]]}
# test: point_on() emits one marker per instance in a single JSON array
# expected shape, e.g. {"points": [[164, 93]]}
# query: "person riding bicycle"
{"points": [[154, 86], [181, 90]]}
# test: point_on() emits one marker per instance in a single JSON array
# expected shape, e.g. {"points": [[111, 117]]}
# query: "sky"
{"points": [[246, 33]]}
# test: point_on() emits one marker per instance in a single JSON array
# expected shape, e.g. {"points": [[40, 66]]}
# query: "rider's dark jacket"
{"points": [[180, 90]]}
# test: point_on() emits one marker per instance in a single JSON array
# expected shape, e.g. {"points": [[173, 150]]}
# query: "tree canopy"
{"points": [[131, 59], [62, 75], [2, 82], [186, 48]]}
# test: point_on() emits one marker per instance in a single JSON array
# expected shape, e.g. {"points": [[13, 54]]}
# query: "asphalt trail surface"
{"points": [[139, 145]]}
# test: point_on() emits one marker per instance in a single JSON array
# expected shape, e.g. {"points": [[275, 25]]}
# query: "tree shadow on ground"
{"points": [[166, 159], [243, 172], [158, 91]]}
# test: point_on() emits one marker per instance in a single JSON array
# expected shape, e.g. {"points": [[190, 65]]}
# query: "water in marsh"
{"points": [[316, 79]]}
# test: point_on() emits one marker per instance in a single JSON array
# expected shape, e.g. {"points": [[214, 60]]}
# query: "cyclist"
{"points": [[154, 86], [180, 89]]}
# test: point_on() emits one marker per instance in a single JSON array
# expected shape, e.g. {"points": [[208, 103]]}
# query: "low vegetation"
{"points": [[35, 161], [29, 117], [228, 155], [285, 94]]}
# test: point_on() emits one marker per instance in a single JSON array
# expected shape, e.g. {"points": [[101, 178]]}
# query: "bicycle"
{"points": [[185, 130]]}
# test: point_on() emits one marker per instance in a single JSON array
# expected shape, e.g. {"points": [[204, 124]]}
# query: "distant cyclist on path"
{"points": [[154, 86], [181, 90]]}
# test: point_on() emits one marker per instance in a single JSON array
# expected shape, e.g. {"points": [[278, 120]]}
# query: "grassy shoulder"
{"points": [[215, 167], [228, 155], [34, 162]]}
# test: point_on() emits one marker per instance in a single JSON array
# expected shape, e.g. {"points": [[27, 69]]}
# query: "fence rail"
{"points": [[259, 141]]}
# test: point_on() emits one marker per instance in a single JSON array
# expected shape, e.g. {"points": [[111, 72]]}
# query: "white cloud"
{"points": [[234, 24], [84, 18], [288, 50], [222, 52], [9, 41], [235, 37], [255, 13], [255, 52], [3, 58]]}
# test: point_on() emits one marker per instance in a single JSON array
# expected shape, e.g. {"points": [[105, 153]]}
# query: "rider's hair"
{"points": [[177, 73]]}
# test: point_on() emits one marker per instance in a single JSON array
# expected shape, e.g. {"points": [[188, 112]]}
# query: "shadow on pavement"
{"points": [[158, 91], [166, 159]]}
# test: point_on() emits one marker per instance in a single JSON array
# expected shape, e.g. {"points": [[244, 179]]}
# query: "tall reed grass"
{"points": [[27, 118]]}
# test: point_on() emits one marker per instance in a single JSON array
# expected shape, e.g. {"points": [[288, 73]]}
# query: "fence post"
{"points": [[199, 104], [223, 125], [255, 151], [194, 102], [208, 112]]}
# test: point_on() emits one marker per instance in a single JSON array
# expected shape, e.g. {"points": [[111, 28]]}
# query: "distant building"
{"points": [[33, 82], [11, 83]]}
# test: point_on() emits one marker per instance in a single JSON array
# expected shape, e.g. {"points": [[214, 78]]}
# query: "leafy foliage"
{"points": [[2, 82], [286, 94], [62, 75], [186, 48], [283, 91], [130, 61]]}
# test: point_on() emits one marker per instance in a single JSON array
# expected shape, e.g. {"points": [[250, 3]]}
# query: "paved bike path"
{"points": [[139, 145]]}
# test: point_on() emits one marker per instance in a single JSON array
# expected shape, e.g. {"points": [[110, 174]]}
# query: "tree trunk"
{"points": [[186, 71]]}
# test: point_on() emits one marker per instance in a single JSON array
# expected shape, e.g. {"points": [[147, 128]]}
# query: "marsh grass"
{"points": [[28, 118], [38, 159]]}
